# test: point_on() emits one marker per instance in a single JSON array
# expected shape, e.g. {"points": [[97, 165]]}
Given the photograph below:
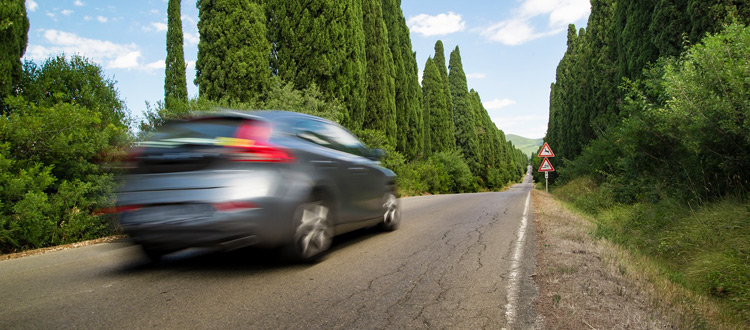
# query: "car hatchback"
{"points": [[264, 178]]}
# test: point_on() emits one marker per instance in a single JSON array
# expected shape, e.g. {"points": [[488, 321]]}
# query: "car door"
{"points": [[360, 186], [365, 182]]}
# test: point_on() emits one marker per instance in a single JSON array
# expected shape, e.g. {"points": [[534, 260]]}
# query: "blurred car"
{"points": [[265, 178]]}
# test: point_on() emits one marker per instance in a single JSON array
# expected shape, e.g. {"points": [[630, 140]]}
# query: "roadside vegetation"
{"points": [[63, 125], [664, 174]]}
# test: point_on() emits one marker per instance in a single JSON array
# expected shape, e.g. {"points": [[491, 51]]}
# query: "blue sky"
{"points": [[509, 48]]}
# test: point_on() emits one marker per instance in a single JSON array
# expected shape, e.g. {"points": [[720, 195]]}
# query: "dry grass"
{"points": [[589, 283], [580, 283]]}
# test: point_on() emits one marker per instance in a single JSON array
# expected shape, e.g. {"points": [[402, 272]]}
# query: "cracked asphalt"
{"points": [[445, 268]]}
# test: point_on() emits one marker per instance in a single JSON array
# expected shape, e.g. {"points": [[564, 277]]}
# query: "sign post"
{"points": [[546, 167]]}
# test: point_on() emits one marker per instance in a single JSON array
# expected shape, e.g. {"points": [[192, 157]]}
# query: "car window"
{"points": [[330, 136]]}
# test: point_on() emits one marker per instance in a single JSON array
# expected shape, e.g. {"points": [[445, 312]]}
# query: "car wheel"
{"points": [[313, 231], [153, 254], [391, 213]]}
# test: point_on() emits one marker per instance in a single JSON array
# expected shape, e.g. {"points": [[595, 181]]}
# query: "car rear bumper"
{"points": [[173, 227]]}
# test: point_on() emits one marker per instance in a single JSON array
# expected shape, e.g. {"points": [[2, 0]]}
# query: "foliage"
{"points": [[437, 121], [52, 174], [233, 52], [175, 84], [452, 174], [74, 80], [321, 42], [14, 26], [668, 180], [381, 89], [464, 114]]}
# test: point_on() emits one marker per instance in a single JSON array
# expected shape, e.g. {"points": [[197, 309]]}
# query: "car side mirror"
{"points": [[376, 154]]}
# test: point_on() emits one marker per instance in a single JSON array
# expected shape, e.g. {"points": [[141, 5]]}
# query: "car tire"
{"points": [[391, 212], [313, 231], [153, 254]]}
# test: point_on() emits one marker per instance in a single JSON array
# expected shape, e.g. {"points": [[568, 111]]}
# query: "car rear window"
{"points": [[208, 129]]}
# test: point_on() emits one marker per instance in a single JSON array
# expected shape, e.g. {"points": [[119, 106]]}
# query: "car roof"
{"points": [[272, 115]]}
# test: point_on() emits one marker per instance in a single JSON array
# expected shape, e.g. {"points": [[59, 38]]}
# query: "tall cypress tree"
{"points": [[408, 91], [466, 121], [439, 60], [381, 89], [175, 84], [439, 135], [391, 15], [233, 50], [14, 29], [322, 43]]}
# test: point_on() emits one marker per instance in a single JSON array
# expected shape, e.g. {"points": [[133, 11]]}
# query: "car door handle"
{"points": [[358, 170], [325, 164]]}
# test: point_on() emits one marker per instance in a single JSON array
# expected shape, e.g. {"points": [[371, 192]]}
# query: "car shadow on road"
{"points": [[241, 261]]}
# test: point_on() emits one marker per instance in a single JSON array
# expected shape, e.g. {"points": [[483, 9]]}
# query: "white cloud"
{"points": [[66, 12], [188, 19], [102, 19], [191, 38], [159, 26], [519, 29], [498, 104], [31, 5], [476, 75], [87, 18], [441, 24], [111, 55], [155, 65], [78, 3], [154, 11]]}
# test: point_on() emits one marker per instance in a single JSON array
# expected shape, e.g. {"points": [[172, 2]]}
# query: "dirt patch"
{"points": [[61, 247], [581, 283]]}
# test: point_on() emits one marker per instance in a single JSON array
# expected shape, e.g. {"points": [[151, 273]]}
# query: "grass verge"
{"points": [[698, 257]]}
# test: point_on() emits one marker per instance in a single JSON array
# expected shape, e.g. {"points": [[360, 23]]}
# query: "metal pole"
{"points": [[546, 182]]}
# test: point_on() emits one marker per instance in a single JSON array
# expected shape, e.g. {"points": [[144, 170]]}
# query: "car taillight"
{"points": [[234, 206], [118, 209], [250, 144]]}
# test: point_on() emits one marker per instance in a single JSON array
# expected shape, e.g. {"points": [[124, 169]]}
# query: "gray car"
{"points": [[265, 178]]}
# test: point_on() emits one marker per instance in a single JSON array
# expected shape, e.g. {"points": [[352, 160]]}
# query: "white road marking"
{"points": [[514, 279]]}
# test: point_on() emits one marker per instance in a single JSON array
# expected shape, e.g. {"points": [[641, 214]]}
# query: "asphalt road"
{"points": [[450, 266]]}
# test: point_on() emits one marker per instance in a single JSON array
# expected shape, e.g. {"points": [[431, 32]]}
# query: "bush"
{"points": [[58, 138], [453, 174]]}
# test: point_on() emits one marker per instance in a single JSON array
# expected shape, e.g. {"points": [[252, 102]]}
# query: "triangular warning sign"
{"points": [[546, 151], [546, 166]]}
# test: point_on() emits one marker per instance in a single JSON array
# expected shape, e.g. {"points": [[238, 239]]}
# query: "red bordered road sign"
{"points": [[546, 166], [546, 151]]}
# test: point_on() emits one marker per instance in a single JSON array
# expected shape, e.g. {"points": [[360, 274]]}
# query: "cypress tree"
{"points": [[233, 50], [439, 60], [466, 122], [668, 22], [14, 28], [321, 43], [603, 95], [175, 84], [391, 14], [410, 140], [636, 48], [381, 89], [439, 135]]}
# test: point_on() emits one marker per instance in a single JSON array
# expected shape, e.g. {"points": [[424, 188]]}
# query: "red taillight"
{"points": [[253, 146], [234, 206], [117, 209]]}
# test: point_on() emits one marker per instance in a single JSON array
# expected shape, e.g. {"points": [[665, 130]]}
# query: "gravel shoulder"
{"points": [[582, 284]]}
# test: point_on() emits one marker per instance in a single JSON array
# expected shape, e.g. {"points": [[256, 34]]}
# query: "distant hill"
{"points": [[528, 146]]}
